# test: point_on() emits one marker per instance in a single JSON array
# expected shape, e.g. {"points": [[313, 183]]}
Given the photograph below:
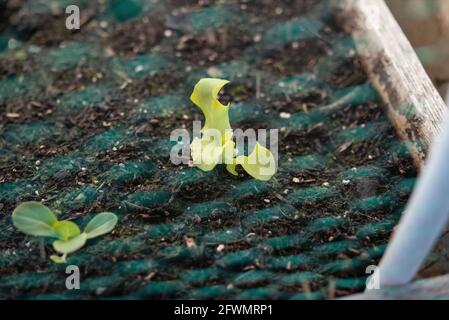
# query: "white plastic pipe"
{"points": [[424, 219], [446, 97]]}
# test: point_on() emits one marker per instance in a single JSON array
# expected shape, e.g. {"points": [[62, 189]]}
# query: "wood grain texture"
{"points": [[413, 104], [427, 289]]}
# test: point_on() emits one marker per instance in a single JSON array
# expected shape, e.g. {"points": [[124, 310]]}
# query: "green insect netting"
{"points": [[85, 122]]}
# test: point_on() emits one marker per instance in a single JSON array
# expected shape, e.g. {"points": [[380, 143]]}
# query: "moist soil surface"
{"points": [[85, 123]]}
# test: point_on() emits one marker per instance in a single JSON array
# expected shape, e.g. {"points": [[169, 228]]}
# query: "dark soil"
{"points": [[354, 135]]}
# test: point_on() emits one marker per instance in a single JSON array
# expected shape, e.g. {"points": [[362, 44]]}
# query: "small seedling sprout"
{"points": [[209, 150], [35, 219]]}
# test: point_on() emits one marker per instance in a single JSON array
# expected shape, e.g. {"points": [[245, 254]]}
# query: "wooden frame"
{"points": [[412, 103]]}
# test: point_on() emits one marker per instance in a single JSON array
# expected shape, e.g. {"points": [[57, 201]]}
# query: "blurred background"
{"points": [[426, 24]]}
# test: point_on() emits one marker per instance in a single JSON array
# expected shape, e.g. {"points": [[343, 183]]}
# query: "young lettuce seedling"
{"points": [[35, 219], [216, 144]]}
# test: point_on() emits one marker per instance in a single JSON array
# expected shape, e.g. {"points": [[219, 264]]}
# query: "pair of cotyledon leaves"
{"points": [[208, 150], [35, 219]]}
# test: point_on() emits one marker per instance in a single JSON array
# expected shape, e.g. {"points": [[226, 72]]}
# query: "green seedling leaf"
{"points": [[66, 229], [71, 245], [216, 144], [34, 219], [100, 224], [59, 259], [207, 154], [217, 115], [231, 169], [260, 164]]}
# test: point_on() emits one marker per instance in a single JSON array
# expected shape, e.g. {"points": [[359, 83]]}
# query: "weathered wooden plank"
{"points": [[413, 104], [425, 289]]}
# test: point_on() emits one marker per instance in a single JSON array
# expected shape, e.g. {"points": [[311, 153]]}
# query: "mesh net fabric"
{"points": [[97, 152]]}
